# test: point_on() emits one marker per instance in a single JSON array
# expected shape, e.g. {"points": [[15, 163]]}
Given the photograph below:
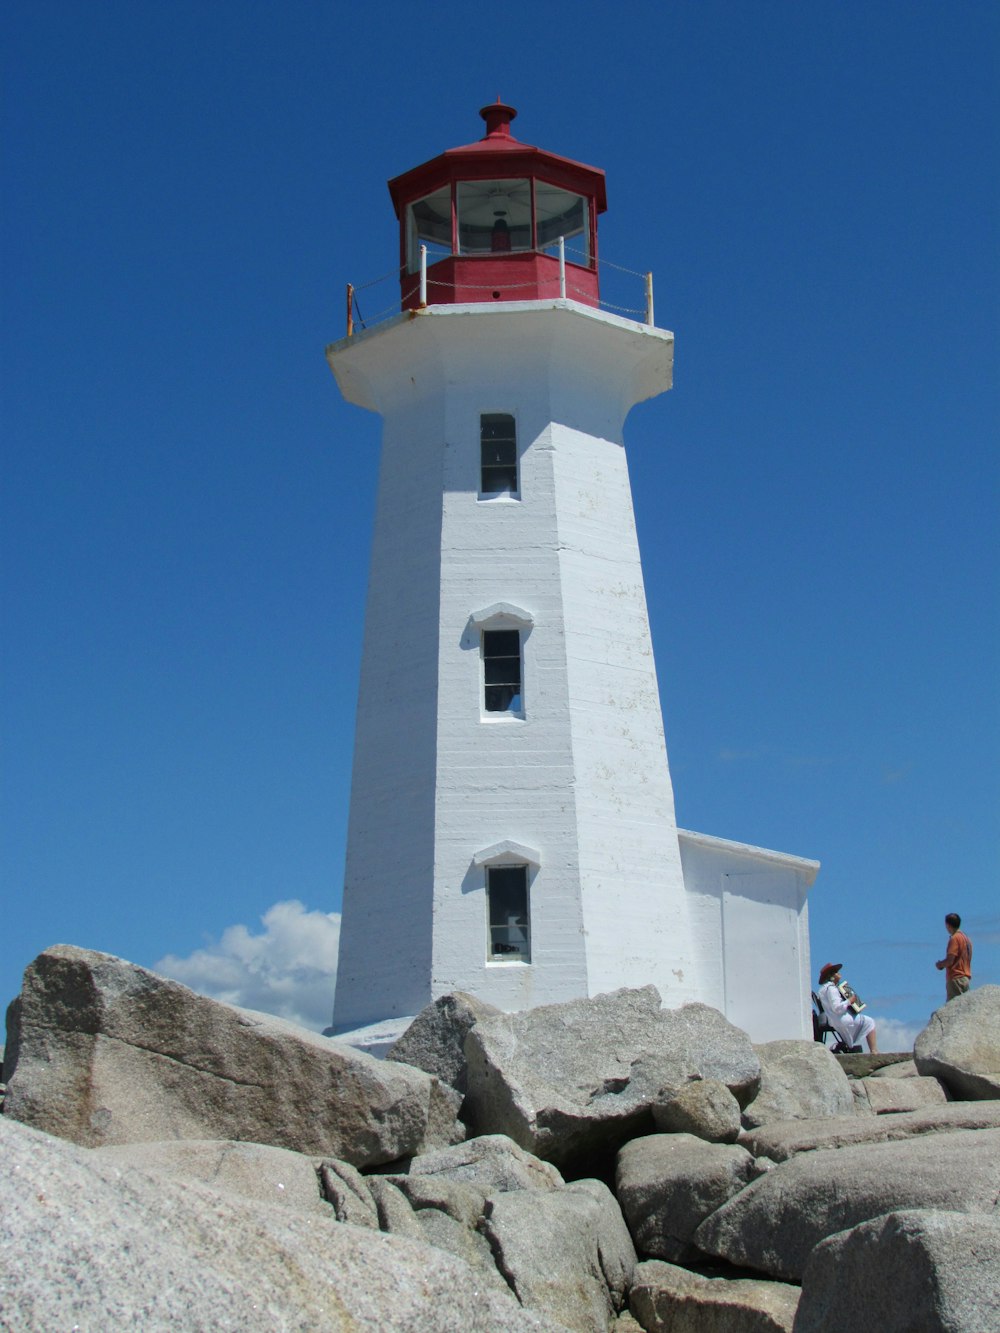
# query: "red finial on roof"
{"points": [[498, 117]]}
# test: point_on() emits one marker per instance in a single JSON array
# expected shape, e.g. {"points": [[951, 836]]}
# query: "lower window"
{"points": [[507, 898]]}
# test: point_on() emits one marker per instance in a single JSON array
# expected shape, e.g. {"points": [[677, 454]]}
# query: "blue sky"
{"points": [[187, 504]]}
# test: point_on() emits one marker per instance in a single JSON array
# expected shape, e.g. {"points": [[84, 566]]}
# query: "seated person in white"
{"points": [[850, 1026]]}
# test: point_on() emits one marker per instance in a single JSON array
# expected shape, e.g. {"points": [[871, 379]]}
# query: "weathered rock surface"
{"points": [[667, 1299], [862, 1106], [565, 1251], [906, 1272], [705, 1108], [890, 1096], [799, 1080], [395, 1215], [960, 1046], [493, 1162], [435, 1040], [236, 1148], [469, 1245], [461, 1201], [569, 1080], [784, 1139], [138, 1250], [347, 1192], [775, 1222], [667, 1184], [863, 1065], [900, 1069], [268, 1175], [104, 1052]]}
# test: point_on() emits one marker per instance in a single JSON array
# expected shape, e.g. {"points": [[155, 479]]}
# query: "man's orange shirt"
{"points": [[959, 956]]}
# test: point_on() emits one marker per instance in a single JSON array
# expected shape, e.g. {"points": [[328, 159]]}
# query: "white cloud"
{"points": [[895, 1035], [289, 970]]}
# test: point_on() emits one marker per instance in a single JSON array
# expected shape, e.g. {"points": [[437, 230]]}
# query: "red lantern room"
{"points": [[494, 216]]}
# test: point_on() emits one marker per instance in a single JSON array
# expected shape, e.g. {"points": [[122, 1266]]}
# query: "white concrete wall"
{"points": [[583, 777], [386, 929], [634, 903], [750, 930]]}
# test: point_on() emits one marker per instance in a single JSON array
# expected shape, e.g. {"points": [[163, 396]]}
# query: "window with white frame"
{"points": [[497, 454], [509, 927], [502, 671]]}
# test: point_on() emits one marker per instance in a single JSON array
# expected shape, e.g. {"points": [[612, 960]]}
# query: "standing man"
{"points": [[957, 959]]}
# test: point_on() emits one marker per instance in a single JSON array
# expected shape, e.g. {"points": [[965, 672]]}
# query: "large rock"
{"points": [[890, 1096], [905, 1272], [566, 1252], [785, 1138], [667, 1299], [777, 1220], [492, 1162], [103, 1052], [273, 1176], [961, 1045], [108, 1250], [667, 1184], [567, 1081], [799, 1080], [867, 1065], [705, 1108], [435, 1040], [899, 1069]]}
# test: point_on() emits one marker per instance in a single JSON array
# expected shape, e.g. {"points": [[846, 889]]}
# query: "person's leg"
{"points": [[866, 1029], [955, 987]]}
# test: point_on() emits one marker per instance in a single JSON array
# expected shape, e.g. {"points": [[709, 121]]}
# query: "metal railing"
{"points": [[567, 290]]}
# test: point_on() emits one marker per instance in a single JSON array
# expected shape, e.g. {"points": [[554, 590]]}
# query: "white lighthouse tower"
{"points": [[512, 829]]}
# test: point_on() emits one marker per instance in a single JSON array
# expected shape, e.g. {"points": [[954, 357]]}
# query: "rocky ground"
{"points": [[171, 1162]]}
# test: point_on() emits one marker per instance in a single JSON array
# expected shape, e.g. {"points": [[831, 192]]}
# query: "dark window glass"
{"points": [[502, 670], [507, 891], [498, 454]]}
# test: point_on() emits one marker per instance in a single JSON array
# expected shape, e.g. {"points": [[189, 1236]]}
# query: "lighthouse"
{"points": [[512, 830]]}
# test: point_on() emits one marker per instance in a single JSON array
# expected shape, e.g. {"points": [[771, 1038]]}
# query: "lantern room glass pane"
{"points": [[561, 213], [494, 217], [429, 223]]}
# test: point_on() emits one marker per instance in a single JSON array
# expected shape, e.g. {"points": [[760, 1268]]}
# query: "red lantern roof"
{"points": [[491, 215]]}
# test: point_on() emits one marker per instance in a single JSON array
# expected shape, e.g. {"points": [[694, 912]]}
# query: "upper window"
{"points": [[494, 217], [509, 929], [560, 213], [502, 671], [429, 223], [497, 454]]}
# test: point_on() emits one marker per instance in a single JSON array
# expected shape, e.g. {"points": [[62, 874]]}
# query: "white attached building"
{"points": [[512, 829]]}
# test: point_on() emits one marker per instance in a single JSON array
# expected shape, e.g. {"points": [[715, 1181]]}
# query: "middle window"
{"points": [[502, 670]]}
